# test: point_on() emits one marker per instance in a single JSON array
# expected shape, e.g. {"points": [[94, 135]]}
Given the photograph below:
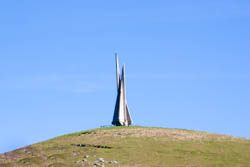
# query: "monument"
{"points": [[121, 114]]}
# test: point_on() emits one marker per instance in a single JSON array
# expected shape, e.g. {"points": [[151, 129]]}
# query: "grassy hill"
{"points": [[134, 146]]}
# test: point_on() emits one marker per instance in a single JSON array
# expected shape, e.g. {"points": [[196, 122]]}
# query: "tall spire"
{"points": [[121, 114]]}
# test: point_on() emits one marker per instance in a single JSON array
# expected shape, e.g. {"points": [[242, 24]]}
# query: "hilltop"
{"points": [[133, 146]]}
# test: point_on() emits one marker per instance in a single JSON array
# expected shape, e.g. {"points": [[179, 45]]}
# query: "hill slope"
{"points": [[134, 146]]}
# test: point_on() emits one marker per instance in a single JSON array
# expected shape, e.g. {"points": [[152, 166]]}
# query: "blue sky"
{"points": [[187, 66]]}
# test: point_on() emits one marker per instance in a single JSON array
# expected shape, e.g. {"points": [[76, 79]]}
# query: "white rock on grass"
{"points": [[78, 161], [101, 160], [113, 162], [97, 164]]}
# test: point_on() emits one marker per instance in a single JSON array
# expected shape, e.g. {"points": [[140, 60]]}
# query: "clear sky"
{"points": [[187, 66]]}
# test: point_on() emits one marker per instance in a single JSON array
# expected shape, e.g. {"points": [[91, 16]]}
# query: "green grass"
{"points": [[136, 146]]}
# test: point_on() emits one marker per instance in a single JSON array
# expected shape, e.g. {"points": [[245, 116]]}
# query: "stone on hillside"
{"points": [[101, 160], [113, 162], [97, 164], [78, 161]]}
